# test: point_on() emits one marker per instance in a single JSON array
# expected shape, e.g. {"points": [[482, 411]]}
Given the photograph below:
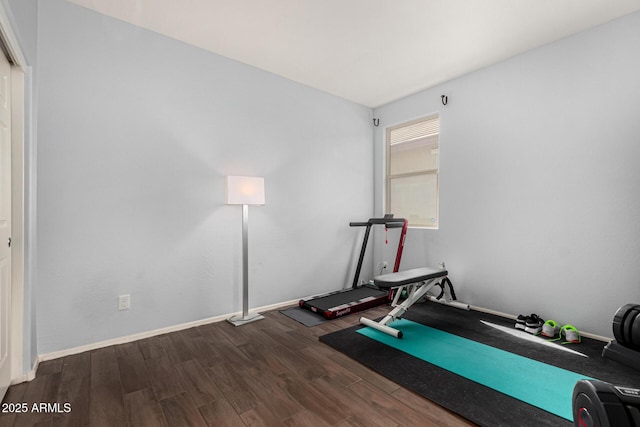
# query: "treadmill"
{"points": [[358, 298]]}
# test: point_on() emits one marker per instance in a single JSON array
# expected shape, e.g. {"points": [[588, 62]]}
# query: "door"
{"points": [[5, 224]]}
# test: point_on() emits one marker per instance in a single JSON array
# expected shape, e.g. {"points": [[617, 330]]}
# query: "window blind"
{"points": [[417, 130]]}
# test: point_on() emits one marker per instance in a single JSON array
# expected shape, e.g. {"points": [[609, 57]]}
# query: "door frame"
{"points": [[19, 67]]}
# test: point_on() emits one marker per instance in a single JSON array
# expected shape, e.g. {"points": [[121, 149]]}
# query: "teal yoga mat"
{"points": [[547, 387]]}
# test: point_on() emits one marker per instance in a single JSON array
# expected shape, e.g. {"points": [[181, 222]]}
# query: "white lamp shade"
{"points": [[244, 190]]}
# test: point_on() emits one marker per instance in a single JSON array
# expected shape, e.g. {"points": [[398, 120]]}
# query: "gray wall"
{"points": [[539, 175], [136, 134]]}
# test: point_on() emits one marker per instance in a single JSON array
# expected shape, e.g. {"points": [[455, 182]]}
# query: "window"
{"points": [[412, 171]]}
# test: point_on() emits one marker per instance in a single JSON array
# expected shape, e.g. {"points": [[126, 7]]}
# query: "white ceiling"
{"points": [[368, 51]]}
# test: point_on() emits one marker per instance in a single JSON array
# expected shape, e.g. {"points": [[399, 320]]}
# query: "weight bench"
{"points": [[416, 282]]}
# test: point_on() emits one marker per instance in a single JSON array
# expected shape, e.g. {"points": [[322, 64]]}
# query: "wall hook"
{"points": [[444, 99], [376, 122]]}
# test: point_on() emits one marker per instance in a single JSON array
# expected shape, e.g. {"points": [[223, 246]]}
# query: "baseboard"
{"points": [[27, 376], [149, 334]]}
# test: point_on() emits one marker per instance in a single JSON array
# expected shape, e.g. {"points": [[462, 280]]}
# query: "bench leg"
{"points": [[416, 291], [447, 299]]}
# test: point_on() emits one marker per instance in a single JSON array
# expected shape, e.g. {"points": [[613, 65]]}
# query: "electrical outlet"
{"points": [[124, 302]]}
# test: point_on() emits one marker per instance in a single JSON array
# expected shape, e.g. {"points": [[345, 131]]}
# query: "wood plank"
{"points": [[212, 332], [169, 348], [104, 367], [364, 372], [15, 394], [164, 379], [264, 359], [179, 410], [33, 395], [282, 322], [182, 347], [384, 403], [232, 384], [230, 354], [260, 416], [221, 413], [50, 366], [360, 412], [205, 353], [197, 383], [304, 418], [106, 404], [51, 388], [271, 392], [234, 334], [429, 410], [151, 348], [351, 422], [46, 392], [143, 409], [285, 339], [75, 391], [75, 382], [318, 356], [311, 399], [75, 367], [133, 369], [190, 332]]}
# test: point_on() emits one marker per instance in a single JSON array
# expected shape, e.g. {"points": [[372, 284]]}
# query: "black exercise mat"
{"points": [[305, 317], [471, 400]]}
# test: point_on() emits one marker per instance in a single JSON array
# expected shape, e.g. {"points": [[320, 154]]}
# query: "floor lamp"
{"points": [[245, 191]]}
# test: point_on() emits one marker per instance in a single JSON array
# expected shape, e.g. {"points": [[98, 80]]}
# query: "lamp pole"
{"points": [[245, 191], [245, 261]]}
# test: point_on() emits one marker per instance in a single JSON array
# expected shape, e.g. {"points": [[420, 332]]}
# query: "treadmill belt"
{"points": [[345, 298]]}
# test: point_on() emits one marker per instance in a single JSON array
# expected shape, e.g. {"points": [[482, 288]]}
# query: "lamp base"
{"points": [[240, 320]]}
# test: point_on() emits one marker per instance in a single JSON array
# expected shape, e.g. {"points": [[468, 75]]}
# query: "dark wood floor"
{"points": [[269, 373]]}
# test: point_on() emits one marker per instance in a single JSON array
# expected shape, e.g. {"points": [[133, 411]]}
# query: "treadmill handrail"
{"points": [[390, 222]]}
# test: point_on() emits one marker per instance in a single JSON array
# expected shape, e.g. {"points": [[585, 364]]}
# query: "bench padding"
{"points": [[415, 275]]}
